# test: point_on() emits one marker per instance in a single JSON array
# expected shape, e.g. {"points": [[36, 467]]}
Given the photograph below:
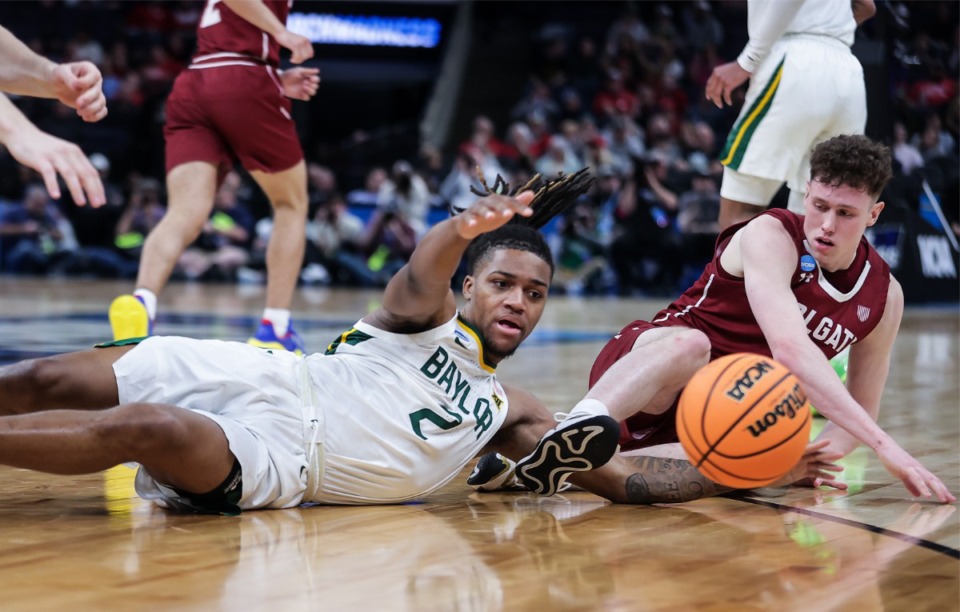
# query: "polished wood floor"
{"points": [[85, 543]]}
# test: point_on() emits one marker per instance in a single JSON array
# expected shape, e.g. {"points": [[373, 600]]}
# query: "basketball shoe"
{"points": [[494, 472], [577, 444], [266, 338], [129, 318]]}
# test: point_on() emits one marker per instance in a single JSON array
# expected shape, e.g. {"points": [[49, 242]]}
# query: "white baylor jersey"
{"points": [[832, 18], [399, 415]]}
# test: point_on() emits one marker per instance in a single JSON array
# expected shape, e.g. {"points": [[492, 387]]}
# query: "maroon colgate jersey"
{"points": [[838, 308], [225, 38]]}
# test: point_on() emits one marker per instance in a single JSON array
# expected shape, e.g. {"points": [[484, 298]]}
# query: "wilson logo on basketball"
{"points": [[787, 408], [750, 376]]}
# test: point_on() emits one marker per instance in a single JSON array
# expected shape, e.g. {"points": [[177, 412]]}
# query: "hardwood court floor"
{"points": [[84, 543]]}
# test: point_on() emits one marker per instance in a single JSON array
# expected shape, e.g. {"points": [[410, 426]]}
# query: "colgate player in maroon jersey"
{"points": [[797, 288], [232, 104]]}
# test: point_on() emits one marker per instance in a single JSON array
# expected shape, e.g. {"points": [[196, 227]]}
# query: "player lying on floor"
{"points": [[394, 409]]}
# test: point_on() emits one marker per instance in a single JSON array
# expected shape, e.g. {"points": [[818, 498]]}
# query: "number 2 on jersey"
{"points": [[211, 14]]}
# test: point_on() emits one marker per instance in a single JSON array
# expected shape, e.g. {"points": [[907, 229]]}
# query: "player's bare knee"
{"points": [[142, 430], [28, 383], [694, 346], [293, 206]]}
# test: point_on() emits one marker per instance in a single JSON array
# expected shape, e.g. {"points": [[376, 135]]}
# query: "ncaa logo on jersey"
{"points": [[807, 265], [863, 313]]}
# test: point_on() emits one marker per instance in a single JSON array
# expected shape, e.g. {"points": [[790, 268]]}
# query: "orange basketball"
{"points": [[743, 420]]}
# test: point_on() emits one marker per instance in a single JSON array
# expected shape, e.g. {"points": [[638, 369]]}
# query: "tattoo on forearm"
{"points": [[662, 480]]}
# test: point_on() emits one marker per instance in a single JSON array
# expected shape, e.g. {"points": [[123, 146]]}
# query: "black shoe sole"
{"points": [[489, 467], [581, 447]]}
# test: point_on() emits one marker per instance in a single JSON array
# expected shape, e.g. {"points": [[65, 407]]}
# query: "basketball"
{"points": [[743, 420]]}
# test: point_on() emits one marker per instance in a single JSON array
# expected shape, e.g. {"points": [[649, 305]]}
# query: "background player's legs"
{"points": [[190, 190], [743, 196], [83, 380], [176, 446], [287, 192], [732, 212]]}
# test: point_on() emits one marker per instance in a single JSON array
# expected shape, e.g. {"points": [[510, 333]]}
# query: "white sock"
{"points": [[280, 319], [590, 406], [149, 300]]}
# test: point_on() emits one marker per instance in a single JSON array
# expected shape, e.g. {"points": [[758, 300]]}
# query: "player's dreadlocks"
{"points": [[550, 199]]}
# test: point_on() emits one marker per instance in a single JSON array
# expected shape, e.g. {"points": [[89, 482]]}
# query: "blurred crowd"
{"points": [[627, 101]]}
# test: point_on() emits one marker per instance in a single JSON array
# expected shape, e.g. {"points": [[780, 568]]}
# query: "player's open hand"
{"points": [[50, 157], [301, 49], [723, 80], [816, 468], [300, 83], [492, 211], [79, 85], [916, 478]]}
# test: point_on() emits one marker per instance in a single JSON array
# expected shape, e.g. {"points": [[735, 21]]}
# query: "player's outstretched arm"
{"points": [[769, 259], [49, 156], [646, 477], [76, 84], [419, 295]]}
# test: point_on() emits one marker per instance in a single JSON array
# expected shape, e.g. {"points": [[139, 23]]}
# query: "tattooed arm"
{"points": [[663, 480], [648, 479]]}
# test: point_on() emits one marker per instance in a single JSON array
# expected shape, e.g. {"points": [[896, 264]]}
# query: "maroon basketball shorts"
{"points": [[229, 113], [640, 430]]}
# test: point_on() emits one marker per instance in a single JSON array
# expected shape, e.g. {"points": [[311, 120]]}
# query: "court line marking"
{"points": [[928, 544]]}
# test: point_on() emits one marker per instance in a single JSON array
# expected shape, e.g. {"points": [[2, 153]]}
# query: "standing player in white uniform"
{"points": [[393, 410], [805, 87]]}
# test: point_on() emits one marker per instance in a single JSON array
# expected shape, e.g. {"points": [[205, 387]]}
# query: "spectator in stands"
{"points": [[934, 142], [36, 235], [321, 185], [142, 213], [698, 210], [335, 245], [95, 226], [701, 28], [559, 158], [366, 196], [404, 195], [389, 241], [455, 189], [484, 138], [646, 250], [615, 99], [904, 152], [625, 141], [581, 259], [537, 101]]}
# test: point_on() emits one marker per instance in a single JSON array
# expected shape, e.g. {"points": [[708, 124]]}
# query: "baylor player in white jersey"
{"points": [[395, 409], [437, 404], [805, 87]]}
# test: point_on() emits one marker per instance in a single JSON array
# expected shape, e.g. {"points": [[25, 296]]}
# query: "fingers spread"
{"points": [[49, 179]]}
